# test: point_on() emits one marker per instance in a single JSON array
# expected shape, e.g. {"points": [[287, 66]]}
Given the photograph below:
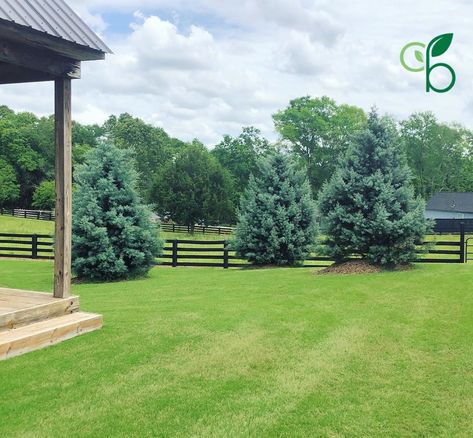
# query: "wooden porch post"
{"points": [[63, 224]]}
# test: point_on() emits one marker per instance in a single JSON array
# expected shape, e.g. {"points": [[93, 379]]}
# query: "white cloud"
{"points": [[213, 65]]}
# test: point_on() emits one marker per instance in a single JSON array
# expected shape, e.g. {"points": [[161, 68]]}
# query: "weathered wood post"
{"points": [[63, 228]]}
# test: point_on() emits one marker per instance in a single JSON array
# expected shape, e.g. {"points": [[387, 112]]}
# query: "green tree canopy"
{"points": [[368, 206], [27, 144], [9, 187], [151, 147], [44, 196], [440, 155], [318, 131], [240, 154], [194, 188]]}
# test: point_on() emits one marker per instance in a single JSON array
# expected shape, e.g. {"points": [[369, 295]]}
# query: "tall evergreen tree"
{"points": [[277, 215], [368, 207], [113, 236]]}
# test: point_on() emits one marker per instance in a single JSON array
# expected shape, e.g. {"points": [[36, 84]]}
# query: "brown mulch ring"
{"points": [[357, 267]]}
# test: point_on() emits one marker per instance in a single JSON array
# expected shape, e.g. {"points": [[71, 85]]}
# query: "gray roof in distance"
{"points": [[451, 201], [52, 17]]}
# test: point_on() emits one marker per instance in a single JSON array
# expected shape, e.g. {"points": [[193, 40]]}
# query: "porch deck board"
{"points": [[12, 299]]}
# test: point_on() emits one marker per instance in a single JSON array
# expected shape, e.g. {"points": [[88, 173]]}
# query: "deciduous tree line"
{"points": [[191, 183]]}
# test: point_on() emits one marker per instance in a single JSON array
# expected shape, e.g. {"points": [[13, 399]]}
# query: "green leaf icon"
{"points": [[419, 56], [440, 44]]}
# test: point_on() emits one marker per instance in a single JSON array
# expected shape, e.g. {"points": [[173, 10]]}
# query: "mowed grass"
{"points": [[14, 225], [276, 352]]}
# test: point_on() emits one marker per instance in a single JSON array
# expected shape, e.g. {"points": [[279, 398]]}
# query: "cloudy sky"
{"points": [[204, 68]]}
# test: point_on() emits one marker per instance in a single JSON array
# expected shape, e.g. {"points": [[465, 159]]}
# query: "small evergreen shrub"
{"points": [[276, 218], [368, 207], [113, 236]]}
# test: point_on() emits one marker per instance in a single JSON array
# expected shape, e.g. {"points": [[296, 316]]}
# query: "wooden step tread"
{"points": [[37, 311], [48, 332]]}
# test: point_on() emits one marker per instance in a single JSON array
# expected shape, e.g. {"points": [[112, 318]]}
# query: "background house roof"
{"points": [[52, 17], [451, 201]]}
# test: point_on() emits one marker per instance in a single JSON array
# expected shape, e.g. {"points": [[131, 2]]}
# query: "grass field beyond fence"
{"points": [[276, 352]]}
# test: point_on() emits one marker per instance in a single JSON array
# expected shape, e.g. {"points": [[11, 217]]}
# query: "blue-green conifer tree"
{"points": [[276, 218], [113, 235]]}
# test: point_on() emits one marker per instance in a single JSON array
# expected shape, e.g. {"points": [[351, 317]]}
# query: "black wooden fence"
{"points": [[28, 214], [453, 226], [204, 229], [218, 253], [173, 228], [26, 246]]}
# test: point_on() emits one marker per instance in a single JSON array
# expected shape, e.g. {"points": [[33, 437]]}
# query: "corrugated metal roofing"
{"points": [[53, 17], [451, 201]]}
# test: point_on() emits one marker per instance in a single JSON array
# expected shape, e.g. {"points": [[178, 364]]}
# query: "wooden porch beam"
{"points": [[63, 227], [14, 74], [39, 60]]}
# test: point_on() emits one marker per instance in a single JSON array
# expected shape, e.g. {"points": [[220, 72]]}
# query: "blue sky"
{"points": [[205, 68]]}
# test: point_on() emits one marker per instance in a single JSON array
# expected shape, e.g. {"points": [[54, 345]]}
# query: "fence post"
{"points": [[174, 253], [34, 246], [173, 228], [462, 242], [225, 254]]}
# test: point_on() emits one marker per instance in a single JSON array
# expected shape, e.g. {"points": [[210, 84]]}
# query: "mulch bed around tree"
{"points": [[357, 267]]}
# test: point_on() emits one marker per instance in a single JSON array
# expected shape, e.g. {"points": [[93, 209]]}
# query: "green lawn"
{"points": [[16, 225], [277, 352]]}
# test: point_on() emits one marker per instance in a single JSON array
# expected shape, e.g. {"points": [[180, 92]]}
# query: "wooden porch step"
{"points": [[47, 332], [34, 309]]}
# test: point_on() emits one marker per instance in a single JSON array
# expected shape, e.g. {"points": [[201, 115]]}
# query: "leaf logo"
{"points": [[423, 55]]}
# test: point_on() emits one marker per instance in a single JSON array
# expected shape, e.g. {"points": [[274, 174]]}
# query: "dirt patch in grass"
{"points": [[358, 267]]}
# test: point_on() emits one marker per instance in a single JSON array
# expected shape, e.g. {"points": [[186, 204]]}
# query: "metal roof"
{"points": [[52, 17], [459, 202]]}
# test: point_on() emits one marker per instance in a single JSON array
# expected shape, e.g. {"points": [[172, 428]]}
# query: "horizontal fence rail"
{"points": [[219, 253], [214, 229], [453, 226], [26, 246], [28, 214]]}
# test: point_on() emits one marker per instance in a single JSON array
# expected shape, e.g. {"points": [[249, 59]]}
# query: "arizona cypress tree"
{"points": [[368, 207], [112, 234], [277, 215]]}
